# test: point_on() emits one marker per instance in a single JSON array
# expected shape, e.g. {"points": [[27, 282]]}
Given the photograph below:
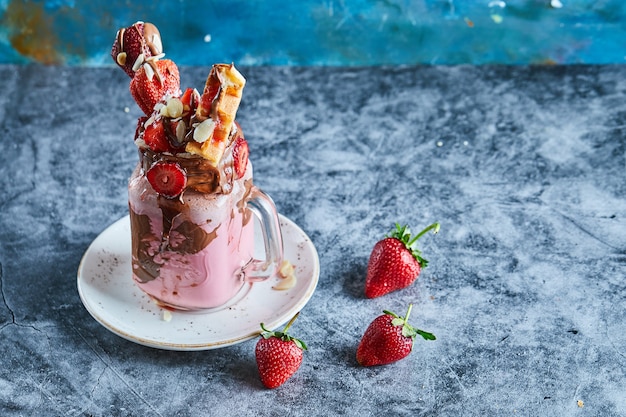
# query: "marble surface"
{"points": [[523, 166]]}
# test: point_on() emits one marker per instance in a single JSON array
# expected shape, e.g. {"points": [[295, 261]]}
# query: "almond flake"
{"points": [[180, 131], [288, 274], [149, 71], [156, 41], [174, 107], [204, 131], [120, 38], [167, 315], [155, 57], [121, 58], [148, 122], [141, 144], [138, 62]]}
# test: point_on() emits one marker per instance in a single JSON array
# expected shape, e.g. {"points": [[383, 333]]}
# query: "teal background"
{"points": [[327, 32]]}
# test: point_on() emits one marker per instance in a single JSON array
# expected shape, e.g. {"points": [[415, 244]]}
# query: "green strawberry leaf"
{"points": [[403, 234], [300, 344], [407, 329], [282, 335], [426, 335], [398, 321], [391, 314]]}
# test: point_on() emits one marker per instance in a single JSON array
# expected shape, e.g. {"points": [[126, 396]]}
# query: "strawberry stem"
{"points": [[282, 335], [408, 313], [291, 322], [423, 232]]}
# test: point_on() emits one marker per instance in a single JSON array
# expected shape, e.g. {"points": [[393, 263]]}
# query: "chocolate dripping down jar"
{"points": [[196, 251]]}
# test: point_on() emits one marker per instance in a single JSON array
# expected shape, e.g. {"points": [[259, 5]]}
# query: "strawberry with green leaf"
{"points": [[388, 339], [278, 355], [395, 261]]}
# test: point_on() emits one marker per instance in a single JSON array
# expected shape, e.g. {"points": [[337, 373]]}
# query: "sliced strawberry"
{"points": [[167, 178], [134, 44], [240, 156], [153, 81], [211, 93], [156, 138], [175, 130], [190, 99]]}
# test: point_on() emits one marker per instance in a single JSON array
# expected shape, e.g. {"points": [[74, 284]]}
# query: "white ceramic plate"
{"points": [[108, 292]]}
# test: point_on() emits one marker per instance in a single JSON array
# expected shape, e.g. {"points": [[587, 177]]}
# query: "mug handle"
{"points": [[262, 206]]}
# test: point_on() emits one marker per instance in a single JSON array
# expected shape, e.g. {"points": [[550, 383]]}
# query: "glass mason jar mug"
{"points": [[195, 251]]}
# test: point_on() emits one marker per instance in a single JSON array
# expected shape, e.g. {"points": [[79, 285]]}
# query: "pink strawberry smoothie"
{"points": [[188, 253], [191, 196]]}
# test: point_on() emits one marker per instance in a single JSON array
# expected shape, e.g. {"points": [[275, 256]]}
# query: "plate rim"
{"points": [[166, 345]]}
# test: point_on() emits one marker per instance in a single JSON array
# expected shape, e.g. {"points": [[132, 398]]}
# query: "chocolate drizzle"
{"points": [[144, 266], [241, 204], [170, 209], [196, 238], [182, 238]]}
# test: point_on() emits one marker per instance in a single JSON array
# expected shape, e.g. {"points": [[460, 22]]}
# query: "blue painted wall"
{"points": [[323, 32]]}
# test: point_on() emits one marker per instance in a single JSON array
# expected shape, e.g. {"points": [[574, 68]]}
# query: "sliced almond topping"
{"points": [[156, 41], [121, 58], [167, 315], [155, 57], [174, 107], [180, 130], [285, 283], [161, 108], [204, 131], [120, 38], [141, 144], [288, 274], [148, 122], [138, 62], [149, 71]]}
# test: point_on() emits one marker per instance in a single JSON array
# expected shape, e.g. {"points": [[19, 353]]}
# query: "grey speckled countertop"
{"points": [[523, 166]]}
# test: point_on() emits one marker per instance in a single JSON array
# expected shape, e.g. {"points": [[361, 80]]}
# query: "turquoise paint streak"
{"points": [[344, 33]]}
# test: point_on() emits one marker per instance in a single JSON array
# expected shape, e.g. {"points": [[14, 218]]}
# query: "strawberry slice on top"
{"points": [[155, 137], [167, 178], [240, 156]]}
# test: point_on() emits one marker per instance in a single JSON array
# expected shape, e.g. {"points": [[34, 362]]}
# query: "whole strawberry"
{"points": [[395, 262], [388, 339], [134, 45], [153, 81], [278, 355]]}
